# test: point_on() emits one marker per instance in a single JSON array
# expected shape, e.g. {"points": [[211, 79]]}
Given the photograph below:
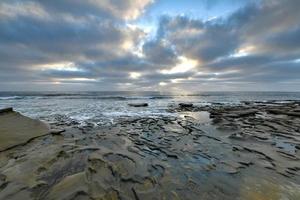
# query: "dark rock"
{"points": [[138, 104], [242, 113], [238, 136], [247, 102], [296, 110], [294, 114], [5, 110], [186, 105], [57, 131], [275, 111], [282, 112]]}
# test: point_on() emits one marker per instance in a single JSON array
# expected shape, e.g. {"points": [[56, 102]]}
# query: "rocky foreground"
{"points": [[250, 151]]}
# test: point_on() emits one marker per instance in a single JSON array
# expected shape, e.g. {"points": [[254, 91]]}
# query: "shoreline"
{"points": [[215, 152]]}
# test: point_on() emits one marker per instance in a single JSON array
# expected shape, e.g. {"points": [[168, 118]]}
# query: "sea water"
{"points": [[106, 107]]}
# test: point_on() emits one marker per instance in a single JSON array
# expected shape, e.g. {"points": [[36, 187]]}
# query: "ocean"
{"points": [[101, 108]]}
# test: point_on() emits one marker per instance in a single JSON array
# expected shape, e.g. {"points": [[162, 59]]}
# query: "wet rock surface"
{"points": [[248, 151]]}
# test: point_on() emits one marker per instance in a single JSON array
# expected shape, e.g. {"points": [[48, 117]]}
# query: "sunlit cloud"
{"points": [[177, 80], [244, 51], [185, 65], [23, 9], [135, 75], [128, 45], [83, 79], [297, 60], [58, 81], [138, 9], [61, 66], [163, 84], [191, 32]]}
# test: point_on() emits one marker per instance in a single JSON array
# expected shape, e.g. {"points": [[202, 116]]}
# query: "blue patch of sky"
{"points": [[196, 9]]}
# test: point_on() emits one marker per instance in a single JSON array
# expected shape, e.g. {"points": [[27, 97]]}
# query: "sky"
{"points": [[150, 45]]}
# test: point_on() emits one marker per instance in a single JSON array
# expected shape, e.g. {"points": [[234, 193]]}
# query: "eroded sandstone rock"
{"points": [[162, 158], [16, 129]]}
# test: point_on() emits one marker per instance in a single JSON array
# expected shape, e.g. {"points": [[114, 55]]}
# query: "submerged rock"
{"points": [[186, 105], [138, 104], [57, 131], [6, 110]]}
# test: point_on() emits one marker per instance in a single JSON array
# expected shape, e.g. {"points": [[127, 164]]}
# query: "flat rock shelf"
{"points": [[16, 129], [244, 152]]}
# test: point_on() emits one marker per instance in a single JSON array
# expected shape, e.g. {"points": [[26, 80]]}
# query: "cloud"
{"points": [[253, 40], [197, 39], [159, 53], [101, 45], [109, 9], [34, 33]]}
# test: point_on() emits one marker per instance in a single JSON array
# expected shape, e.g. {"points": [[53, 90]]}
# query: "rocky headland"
{"points": [[248, 151]]}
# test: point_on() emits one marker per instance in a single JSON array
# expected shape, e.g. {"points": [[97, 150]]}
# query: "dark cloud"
{"points": [[288, 40], [159, 53], [197, 39], [67, 74]]}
